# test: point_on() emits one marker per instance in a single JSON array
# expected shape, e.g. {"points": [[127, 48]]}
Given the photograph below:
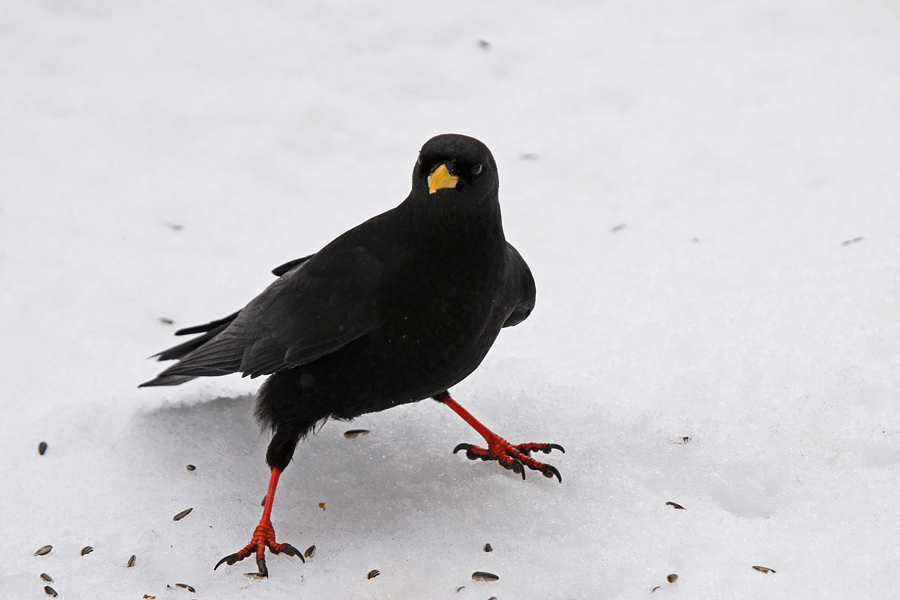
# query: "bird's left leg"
{"points": [[511, 456]]}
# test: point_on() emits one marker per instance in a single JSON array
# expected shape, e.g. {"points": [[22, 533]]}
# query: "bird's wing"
{"points": [[310, 311], [519, 290], [282, 269]]}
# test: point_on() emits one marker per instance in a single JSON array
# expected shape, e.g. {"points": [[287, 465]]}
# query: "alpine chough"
{"points": [[396, 310]]}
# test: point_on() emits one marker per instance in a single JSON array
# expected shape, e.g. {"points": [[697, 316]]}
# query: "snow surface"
{"points": [[707, 193]]}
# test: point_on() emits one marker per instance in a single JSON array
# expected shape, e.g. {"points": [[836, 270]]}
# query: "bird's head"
{"points": [[455, 167]]}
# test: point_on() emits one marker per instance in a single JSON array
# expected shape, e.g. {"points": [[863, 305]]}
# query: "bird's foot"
{"points": [[513, 456], [263, 537]]}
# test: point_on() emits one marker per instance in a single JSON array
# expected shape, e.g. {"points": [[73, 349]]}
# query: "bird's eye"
{"points": [[476, 170]]}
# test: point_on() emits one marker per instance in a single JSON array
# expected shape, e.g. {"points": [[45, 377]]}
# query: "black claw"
{"points": [[291, 551], [519, 468], [261, 565], [462, 447], [549, 471], [550, 447], [228, 560]]}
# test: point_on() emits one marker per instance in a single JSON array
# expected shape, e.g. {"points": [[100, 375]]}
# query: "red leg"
{"points": [[263, 536], [511, 456]]}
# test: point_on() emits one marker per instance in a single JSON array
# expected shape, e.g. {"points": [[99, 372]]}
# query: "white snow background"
{"points": [[707, 194]]}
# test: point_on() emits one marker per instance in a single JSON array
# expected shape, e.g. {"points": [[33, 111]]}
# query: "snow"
{"points": [[705, 191]]}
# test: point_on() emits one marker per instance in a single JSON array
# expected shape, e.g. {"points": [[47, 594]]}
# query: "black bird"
{"points": [[396, 310]]}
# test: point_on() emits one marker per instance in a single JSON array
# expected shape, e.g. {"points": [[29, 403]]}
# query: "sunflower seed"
{"points": [[675, 505], [484, 576], [46, 578], [373, 574], [42, 447], [310, 552], [263, 503], [488, 548], [191, 468], [672, 578], [355, 433], [186, 587], [87, 550], [460, 588], [50, 591], [131, 561], [43, 550], [255, 576], [493, 598], [182, 514], [764, 569], [654, 589]]}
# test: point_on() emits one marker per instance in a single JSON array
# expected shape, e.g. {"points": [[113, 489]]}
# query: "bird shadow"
{"points": [[375, 480]]}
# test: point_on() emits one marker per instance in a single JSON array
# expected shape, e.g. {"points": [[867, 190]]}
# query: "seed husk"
{"points": [[191, 468], [87, 550], [131, 561], [675, 505], [50, 591], [182, 514], [493, 598], [43, 550], [672, 578], [263, 503], [654, 589], [255, 576], [310, 552], [373, 574], [488, 548], [42, 447], [46, 578], [352, 433], [186, 587], [764, 569], [484, 576], [460, 588]]}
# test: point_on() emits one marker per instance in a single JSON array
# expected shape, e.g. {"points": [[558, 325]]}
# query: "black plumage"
{"points": [[395, 310]]}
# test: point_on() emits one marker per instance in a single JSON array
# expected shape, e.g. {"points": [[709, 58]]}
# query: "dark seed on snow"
{"points": [[310, 552], [43, 550], [186, 586], [484, 576], [87, 550], [355, 433], [42, 447], [654, 589], [672, 578], [263, 503], [764, 569], [488, 548], [493, 598], [675, 505], [191, 468], [182, 514], [46, 578], [50, 591], [373, 574], [460, 588], [131, 561], [255, 576]]}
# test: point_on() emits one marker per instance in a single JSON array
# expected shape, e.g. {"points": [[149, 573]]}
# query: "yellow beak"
{"points": [[440, 179]]}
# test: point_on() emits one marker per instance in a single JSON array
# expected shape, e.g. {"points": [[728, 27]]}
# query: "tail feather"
{"points": [[209, 331], [167, 380]]}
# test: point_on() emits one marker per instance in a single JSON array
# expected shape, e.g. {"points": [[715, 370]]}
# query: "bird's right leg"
{"points": [[264, 536], [278, 456]]}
